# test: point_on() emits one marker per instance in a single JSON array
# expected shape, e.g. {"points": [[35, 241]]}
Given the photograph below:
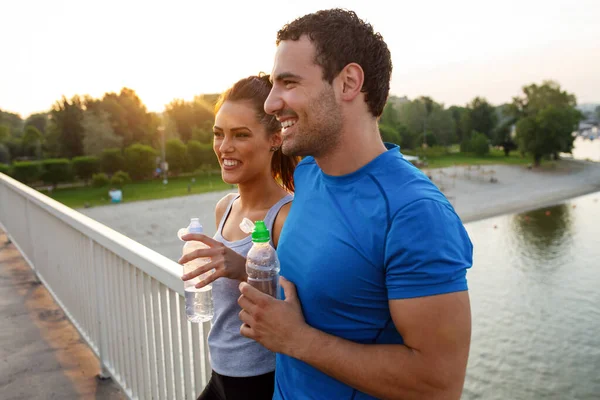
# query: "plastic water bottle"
{"points": [[199, 305], [262, 264]]}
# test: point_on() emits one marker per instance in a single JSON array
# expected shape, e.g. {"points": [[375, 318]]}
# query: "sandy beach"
{"points": [[475, 192]]}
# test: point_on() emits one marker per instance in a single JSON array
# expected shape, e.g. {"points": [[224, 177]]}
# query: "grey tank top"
{"points": [[232, 354]]}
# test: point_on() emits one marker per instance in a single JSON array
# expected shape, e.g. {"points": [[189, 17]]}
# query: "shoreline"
{"points": [[476, 193], [489, 191], [526, 206]]}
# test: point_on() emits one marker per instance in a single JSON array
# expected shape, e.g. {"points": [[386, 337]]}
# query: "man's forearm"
{"points": [[384, 371]]}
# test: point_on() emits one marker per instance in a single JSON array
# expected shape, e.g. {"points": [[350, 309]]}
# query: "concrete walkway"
{"points": [[42, 355]]}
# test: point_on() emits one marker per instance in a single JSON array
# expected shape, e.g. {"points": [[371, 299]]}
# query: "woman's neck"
{"points": [[259, 194]]}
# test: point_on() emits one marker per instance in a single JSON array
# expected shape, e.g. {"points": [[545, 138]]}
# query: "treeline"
{"points": [[539, 123], [83, 136], [117, 133]]}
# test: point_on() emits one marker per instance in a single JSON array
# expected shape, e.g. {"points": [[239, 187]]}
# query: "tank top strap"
{"points": [[273, 211], [226, 214]]}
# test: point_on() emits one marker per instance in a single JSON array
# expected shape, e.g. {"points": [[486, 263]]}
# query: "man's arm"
{"points": [[430, 365]]}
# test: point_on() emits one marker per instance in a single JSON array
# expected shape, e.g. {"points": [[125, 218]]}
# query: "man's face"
{"points": [[303, 102]]}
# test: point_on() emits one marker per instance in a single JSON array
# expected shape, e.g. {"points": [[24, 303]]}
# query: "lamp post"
{"points": [[163, 165]]}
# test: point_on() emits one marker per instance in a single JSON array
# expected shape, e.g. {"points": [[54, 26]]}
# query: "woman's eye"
{"points": [[218, 134], [242, 135]]}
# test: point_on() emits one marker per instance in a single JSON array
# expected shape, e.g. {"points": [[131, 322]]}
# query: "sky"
{"points": [[449, 50]]}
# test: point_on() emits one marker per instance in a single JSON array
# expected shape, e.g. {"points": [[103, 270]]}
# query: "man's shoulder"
{"points": [[401, 184]]}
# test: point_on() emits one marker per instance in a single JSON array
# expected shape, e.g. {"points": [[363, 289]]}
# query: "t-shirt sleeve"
{"points": [[428, 251]]}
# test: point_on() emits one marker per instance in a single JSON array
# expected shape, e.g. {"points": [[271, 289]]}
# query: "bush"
{"points": [[4, 154], [140, 161], [206, 157], [111, 161], [176, 154], [389, 134], [195, 153], [27, 171], [5, 169], [56, 170], [119, 179], [479, 144], [100, 180], [465, 146], [86, 166]]}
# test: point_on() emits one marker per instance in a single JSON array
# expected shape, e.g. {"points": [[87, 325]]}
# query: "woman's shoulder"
{"points": [[280, 220], [222, 205]]}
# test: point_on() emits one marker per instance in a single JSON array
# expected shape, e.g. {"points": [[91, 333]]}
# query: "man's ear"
{"points": [[351, 80]]}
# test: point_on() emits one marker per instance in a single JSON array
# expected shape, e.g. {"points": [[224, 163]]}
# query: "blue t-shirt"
{"points": [[350, 244]]}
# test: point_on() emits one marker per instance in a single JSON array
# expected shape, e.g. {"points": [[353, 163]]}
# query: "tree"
{"points": [[546, 118], [597, 112], [482, 116], [98, 133], [4, 133], [67, 116], [442, 126], [13, 121], [4, 154], [462, 122], [188, 115], [32, 140], [479, 144], [390, 127], [140, 161], [389, 134], [176, 154], [39, 120], [128, 116], [503, 135]]}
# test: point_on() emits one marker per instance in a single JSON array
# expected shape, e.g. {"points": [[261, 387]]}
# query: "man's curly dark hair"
{"points": [[341, 38]]}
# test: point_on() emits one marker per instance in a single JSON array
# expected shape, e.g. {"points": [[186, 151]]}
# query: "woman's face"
{"points": [[242, 144]]}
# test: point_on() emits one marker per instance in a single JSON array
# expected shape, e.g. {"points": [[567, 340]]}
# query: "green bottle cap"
{"points": [[260, 233]]}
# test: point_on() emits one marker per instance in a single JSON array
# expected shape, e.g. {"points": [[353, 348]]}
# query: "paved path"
{"points": [[42, 355]]}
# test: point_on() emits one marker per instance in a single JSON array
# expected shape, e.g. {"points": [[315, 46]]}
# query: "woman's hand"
{"points": [[226, 262]]}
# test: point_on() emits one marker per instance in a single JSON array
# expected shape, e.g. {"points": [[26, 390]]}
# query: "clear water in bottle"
{"points": [[199, 305], [262, 264]]}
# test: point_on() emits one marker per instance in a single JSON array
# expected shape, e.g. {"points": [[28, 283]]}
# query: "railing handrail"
{"points": [[154, 264]]}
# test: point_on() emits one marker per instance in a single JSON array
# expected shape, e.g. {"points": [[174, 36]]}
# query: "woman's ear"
{"points": [[276, 140]]}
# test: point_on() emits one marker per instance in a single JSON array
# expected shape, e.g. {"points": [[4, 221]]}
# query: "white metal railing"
{"points": [[124, 298]]}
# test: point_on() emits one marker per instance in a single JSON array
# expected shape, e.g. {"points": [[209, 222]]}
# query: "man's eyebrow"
{"points": [[287, 75]]}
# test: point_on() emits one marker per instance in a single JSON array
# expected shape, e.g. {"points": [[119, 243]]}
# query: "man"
{"points": [[373, 257]]}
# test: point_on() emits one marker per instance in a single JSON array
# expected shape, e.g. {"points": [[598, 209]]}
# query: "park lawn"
{"points": [[451, 159], [78, 197]]}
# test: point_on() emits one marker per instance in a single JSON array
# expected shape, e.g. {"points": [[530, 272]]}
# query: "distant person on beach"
{"points": [[373, 256], [247, 143]]}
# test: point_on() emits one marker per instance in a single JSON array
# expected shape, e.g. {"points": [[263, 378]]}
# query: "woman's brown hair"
{"points": [[256, 89]]}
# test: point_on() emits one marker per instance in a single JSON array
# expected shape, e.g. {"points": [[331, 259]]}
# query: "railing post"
{"points": [[31, 256], [100, 311]]}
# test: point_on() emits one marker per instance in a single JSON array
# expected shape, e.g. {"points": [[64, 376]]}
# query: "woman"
{"points": [[247, 143]]}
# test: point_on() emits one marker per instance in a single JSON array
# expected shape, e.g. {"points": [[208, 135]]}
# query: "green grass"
{"points": [[437, 160], [77, 197]]}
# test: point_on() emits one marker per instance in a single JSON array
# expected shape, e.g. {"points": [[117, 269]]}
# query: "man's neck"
{"points": [[358, 146]]}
